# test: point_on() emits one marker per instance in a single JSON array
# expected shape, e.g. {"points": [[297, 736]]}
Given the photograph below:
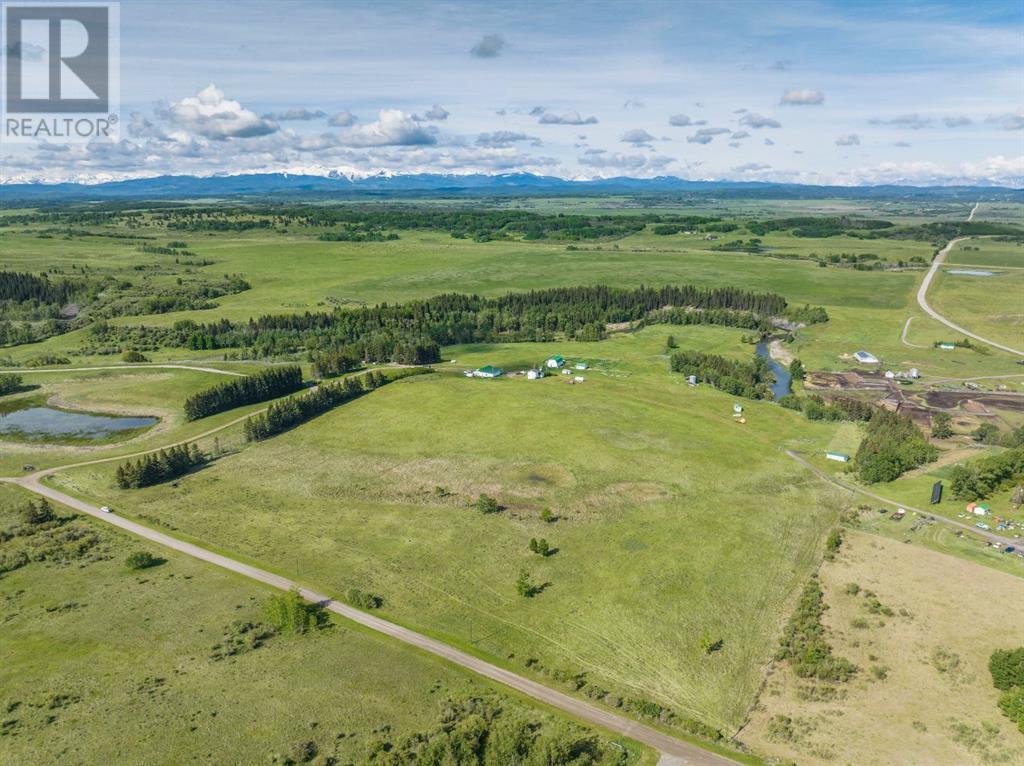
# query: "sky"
{"points": [[842, 93]]}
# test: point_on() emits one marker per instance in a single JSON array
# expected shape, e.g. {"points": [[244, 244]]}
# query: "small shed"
{"points": [[865, 358], [580, 365], [936, 493], [839, 457], [488, 371], [536, 374], [555, 362], [947, 346]]}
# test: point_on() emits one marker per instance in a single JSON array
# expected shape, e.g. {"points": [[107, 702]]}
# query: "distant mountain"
{"points": [[477, 185]]}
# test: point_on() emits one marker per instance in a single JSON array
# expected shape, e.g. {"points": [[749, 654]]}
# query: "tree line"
{"points": [[287, 413], [413, 332], [752, 379], [892, 444], [979, 479], [19, 286], [268, 383], [158, 467]]}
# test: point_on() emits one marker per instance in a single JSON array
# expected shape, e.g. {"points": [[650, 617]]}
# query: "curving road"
{"points": [[991, 536], [673, 751], [677, 751], [922, 299]]}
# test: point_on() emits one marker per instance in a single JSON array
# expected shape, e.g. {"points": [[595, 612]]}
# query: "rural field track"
{"points": [[922, 298], [674, 751], [940, 519], [196, 368], [903, 337]]}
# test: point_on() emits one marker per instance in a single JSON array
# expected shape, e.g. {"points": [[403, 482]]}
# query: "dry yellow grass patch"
{"points": [[921, 628]]}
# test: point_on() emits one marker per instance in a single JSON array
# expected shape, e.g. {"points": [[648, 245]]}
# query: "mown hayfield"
{"points": [[923, 694], [673, 522], [100, 664]]}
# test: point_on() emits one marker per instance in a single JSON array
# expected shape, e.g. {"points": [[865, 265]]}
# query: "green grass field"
{"points": [[672, 518], [992, 306], [676, 526], [99, 661]]}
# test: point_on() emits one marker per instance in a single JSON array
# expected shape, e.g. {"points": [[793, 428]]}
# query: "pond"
{"points": [[971, 272], [32, 420], [783, 380]]}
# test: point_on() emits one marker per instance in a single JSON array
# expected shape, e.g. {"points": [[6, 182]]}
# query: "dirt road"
{"points": [[196, 368], [922, 299], [677, 751], [990, 536]]}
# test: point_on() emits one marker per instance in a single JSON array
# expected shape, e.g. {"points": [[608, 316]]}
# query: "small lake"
{"points": [[783, 380], [971, 272], [32, 421]]}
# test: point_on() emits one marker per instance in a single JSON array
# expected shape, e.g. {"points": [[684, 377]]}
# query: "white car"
{"points": [[106, 509]]}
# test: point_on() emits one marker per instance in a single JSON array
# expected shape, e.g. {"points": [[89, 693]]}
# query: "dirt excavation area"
{"points": [[920, 627]]}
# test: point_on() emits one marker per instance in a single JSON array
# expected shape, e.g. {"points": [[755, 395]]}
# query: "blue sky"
{"points": [[817, 92]]}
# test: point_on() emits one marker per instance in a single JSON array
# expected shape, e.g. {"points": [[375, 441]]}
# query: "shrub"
{"points": [[142, 560], [362, 599], [133, 356], [986, 433], [9, 383], [290, 613], [487, 504], [803, 641], [942, 425], [37, 511], [540, 546], [1007, 668], [1011, 702]]}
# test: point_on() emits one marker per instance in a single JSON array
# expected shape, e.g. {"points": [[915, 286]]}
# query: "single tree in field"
{"points": [[523, 585], [942, 425]]}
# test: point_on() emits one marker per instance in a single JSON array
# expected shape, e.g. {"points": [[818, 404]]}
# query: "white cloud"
{"points": [[489, 47], [296, 114], [436, 113], [504, 138], [769, 142], [211, 115], [739, 134], [633, 103], [1008, 121], [910, 121], [343, 119], [636, 136], [851, 139], [566, 118], [754, 120], [802, 97], [632, 163], [751, 167], [684, 121], [706, 135], [956, 121], [392, 128]]}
